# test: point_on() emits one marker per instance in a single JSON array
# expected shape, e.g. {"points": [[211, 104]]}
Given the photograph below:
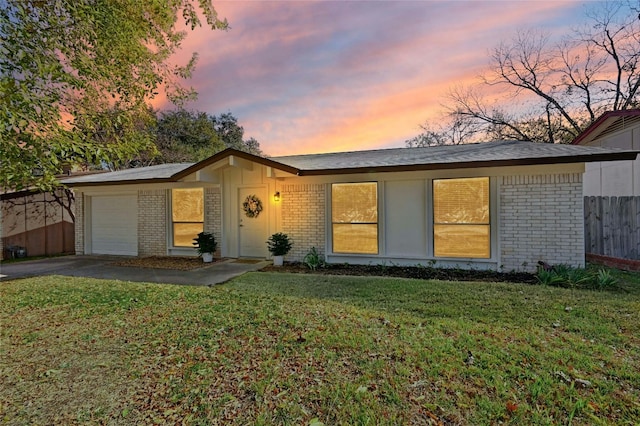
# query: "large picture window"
{"points": [[187, 215], [354, 217], [461, 226]]}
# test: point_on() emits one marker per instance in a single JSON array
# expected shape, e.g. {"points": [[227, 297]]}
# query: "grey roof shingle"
{"points": [[445, 154], [487, 154], [161, 171]]}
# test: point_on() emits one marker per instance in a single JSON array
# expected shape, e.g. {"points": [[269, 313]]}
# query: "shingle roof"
{"points": [[438, 155], [488, 154], [161, 171]]}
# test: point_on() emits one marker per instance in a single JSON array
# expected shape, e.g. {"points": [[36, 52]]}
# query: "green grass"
{"points": [[273, 348]]}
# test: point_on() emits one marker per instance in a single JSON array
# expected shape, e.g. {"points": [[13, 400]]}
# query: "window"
{"points": [[187, 215], [461, 218], [354, 217]]}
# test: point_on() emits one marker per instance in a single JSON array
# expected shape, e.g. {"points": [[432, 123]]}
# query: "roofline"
{"points": [[118, 182], [21, 193], [584, 158], [623, 155], [229, 152], [601, 120], [194, 168]]}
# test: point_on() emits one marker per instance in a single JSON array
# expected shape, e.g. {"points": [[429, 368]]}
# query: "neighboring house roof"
{"points": [[10, 193], [488, 154], [609, 122]]}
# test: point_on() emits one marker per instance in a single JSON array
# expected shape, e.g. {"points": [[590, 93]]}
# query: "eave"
{"points": [[602, 123], [624, 155]]}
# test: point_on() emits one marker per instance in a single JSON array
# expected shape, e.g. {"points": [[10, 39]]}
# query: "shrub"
{"points": [[604, 280], [279, 244], [551, 278], [313, 260], [205, 242], [568, 277]]}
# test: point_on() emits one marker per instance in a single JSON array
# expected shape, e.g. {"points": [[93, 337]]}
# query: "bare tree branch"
{"points": [[548, 91]]}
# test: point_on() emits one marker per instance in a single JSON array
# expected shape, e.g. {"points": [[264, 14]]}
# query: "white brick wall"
{"points": [[152, 222], [541, 218], [213, 215], [303, 218], [79, 223]]}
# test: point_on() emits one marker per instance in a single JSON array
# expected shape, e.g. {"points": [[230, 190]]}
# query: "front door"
{"points": [[252, 222]]}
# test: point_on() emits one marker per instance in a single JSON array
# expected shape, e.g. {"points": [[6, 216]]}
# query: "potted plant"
{"points": [[279, 245], [206, 245]]}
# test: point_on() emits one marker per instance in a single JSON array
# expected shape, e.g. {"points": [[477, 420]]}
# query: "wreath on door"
{"points": [[252, 206]]}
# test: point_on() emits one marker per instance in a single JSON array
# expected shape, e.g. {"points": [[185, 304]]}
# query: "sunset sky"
{"points": [[308, 77]]}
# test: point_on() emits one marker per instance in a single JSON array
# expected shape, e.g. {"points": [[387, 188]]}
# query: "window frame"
{"points": [[174, 222], [376, 223], [490, 223]]}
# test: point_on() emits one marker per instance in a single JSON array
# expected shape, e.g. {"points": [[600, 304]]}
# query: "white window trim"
{"points": [[429, 257], [181, 250], [330, 223], [493, 224]]}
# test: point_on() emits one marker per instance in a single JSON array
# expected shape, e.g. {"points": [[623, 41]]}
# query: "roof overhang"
{"points": [[235, 158], [604, 123], [623, 155], [384, 161], [117, 182], [228, 158]]}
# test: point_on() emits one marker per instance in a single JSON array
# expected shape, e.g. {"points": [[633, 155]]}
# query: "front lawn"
{"points": [[274, 348]]}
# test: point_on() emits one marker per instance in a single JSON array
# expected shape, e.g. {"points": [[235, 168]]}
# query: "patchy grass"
{"points": [[274, 348]]}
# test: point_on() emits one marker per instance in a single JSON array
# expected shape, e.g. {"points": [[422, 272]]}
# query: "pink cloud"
{"points": [[329, 76]]}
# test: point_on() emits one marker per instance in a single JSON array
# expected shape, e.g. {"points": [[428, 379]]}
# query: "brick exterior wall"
{"points": [[303, 218], [541, 218], [79, 223], [152, 222], [213, 215]]}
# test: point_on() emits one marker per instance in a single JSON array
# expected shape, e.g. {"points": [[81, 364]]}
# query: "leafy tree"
{"points": [[232, 134], [123, 139], [64, 63], [550, 92], [184, 136]]}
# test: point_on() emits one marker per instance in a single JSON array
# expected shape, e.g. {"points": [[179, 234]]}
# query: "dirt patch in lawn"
{"points": [[181, 263], [418, 272]]}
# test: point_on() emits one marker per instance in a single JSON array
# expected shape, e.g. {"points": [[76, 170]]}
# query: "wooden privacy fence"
{"points": [[612, 226]]}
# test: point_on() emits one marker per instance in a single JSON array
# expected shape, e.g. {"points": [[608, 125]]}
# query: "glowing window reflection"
{"points": [[187, 215], [354, 217], [461, 218]]}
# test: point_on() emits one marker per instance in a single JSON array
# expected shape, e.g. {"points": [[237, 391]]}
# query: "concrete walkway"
{"points": [[103, 267]]}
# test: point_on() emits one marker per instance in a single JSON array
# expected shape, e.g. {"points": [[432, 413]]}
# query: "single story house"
{"points": [[501, 205], [612, 192]]}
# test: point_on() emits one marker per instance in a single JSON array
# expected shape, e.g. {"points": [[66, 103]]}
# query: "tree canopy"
{"points": [[72, 68], [545, 91], [183, 135]]}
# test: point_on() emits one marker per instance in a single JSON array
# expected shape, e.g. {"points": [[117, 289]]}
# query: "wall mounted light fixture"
{"points": [[276, 196]]}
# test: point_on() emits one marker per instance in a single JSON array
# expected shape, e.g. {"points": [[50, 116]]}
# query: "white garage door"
{"points": [[114, 225]]}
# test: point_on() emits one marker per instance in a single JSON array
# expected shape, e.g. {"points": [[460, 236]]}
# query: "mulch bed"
{"points": [[179, 263], [423, 273]]}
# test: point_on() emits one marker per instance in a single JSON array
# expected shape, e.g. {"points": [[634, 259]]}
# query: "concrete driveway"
{"points": [[103, 267]]}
